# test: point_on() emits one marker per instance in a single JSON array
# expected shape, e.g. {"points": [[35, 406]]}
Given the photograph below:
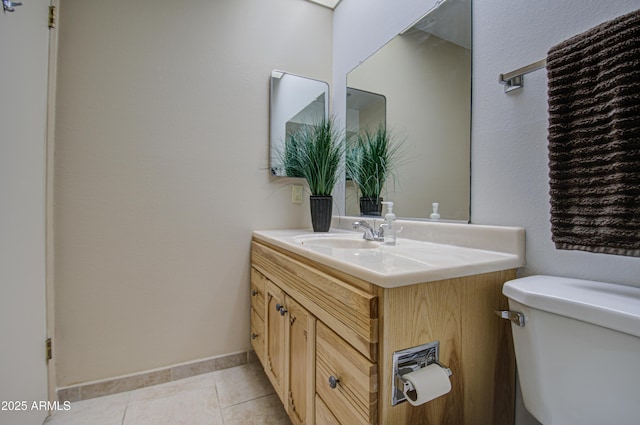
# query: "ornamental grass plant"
{"points": [[315, 153]]}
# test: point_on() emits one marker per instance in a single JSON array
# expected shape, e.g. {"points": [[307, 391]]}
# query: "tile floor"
{"points": [[240, 395]]}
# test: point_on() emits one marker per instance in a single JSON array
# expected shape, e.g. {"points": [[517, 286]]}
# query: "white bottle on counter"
{"points": [[388, 225], [435, 215]]}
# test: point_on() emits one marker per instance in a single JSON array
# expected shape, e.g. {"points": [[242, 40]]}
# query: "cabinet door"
{"points": [[274, 338], [300, 363]]}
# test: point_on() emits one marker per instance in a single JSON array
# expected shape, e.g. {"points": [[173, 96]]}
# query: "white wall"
{"points": [[161, 173], [509, 145], [509, 183]]}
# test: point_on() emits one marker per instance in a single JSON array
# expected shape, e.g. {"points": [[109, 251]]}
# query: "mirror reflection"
{"points": [[418, 86], [295, 101]]}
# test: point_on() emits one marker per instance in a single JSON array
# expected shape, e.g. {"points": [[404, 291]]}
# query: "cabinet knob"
{"points": [[254, 293], [333, 381], [280, 308], [254, 335]]}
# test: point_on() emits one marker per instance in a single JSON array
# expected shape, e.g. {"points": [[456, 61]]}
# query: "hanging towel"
{"points": [[594, 138]]}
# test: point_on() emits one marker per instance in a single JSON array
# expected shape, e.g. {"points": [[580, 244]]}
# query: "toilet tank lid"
{"points": [[609, 305]]}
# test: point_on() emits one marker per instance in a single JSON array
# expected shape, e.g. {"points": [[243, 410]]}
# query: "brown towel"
{"points": [[594, 138]]}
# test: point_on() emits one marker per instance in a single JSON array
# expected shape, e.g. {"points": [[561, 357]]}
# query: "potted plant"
{"points": [[371, 159], [315, 153]]}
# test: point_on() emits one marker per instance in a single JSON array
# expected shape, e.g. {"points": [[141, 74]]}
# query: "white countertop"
{"points": [[412, 260]]}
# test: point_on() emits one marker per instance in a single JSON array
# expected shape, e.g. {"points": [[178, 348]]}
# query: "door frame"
{"points": [[49, 195]]}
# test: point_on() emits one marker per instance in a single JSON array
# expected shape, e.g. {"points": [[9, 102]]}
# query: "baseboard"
{"points": [[157, 376]]}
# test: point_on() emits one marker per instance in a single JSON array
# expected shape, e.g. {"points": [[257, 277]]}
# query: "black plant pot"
{"points": [[370, 206], [321, 209]]}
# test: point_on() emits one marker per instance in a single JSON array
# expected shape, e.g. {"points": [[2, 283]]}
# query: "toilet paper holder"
{"points": [[409, 360]]}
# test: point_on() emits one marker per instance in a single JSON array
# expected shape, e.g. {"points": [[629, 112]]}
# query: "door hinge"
{"points": [[52, 17], [49, 349]]}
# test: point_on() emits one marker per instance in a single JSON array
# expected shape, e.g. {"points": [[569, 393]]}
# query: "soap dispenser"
{"points": [[388, 226], [435, 215]]}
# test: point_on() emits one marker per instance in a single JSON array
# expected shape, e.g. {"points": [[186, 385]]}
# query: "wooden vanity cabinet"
{"points": [[328, 339]]}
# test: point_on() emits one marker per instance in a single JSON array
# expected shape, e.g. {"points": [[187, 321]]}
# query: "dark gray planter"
{"points": [[370, 206], [321, 209]]}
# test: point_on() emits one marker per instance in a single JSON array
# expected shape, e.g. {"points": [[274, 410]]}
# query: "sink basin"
{"points": [[336, 241]]}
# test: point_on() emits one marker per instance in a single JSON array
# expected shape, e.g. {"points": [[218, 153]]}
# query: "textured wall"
{"points": [[161, 173], [509, 184]]}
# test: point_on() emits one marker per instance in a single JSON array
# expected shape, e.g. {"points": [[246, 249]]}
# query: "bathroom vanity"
{"points": [[328, 311]]}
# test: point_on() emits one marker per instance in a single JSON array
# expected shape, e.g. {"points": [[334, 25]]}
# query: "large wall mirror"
{"points": [[295, 101], [419, 86]]}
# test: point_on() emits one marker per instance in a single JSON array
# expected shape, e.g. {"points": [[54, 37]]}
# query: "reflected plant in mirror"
{"points": [[419, 85], [371, 160]]}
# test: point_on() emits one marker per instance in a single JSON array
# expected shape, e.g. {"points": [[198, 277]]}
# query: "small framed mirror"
{"points": [[295, 101]]}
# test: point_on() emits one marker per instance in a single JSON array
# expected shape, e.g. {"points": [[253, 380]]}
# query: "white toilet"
{"points": [[578, 353]]}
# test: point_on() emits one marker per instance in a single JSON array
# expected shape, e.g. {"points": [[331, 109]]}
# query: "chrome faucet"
{"points": [[370, 233]]}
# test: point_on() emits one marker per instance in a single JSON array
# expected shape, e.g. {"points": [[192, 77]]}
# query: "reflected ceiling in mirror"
{"points": [[295, 101], [424, 77]]}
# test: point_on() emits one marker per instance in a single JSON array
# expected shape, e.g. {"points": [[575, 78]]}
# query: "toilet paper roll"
{"points": [[428, 383]]}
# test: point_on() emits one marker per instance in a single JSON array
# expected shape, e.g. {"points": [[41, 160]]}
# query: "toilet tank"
{"points": [[578, 353]]}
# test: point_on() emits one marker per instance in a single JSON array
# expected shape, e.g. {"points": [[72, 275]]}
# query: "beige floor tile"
{"points": [[242, 383], [188, 407], [266, 410], [108, 410], [244, 392]]}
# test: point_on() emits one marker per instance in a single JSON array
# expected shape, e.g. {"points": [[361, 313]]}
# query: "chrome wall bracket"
{"points": [[513, 83], [514, 316]]}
